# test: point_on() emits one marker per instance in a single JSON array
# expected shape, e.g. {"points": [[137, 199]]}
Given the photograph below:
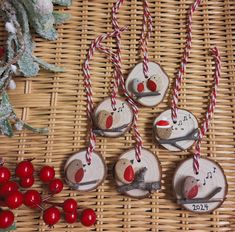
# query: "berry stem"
{"points": [[2, 203], [53, 203], [48, 198], [39, 206], [2, 161]]}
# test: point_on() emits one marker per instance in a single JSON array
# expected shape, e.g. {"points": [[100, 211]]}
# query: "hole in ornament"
{"points": [[88, 162], [197, 173], [138, 160]]}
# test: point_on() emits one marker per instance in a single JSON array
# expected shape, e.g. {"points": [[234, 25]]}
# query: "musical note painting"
{"points": [[176, 136], [200, 192], [110, 122]]}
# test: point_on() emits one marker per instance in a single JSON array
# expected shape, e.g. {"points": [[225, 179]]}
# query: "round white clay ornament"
{"points": [[202, 192], [83, 176], [112, 123], [177, 136], [147, 91], [137, 179]]}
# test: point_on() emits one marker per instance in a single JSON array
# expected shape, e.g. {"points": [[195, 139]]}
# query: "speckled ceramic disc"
{"points": [[210, 190], [83, 176]]}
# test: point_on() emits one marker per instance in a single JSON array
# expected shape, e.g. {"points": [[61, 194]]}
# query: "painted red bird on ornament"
{"points": [[108, 120], [138, 86], [105, 120], [163, 128], [190, 187], [124, 171], [152, 84], [75, 171]]}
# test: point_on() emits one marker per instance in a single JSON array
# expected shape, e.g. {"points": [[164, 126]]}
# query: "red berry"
{"points": [[14, 200], [32, 199], [47, 174], [5, 175], [51, 216], [71, 217], [70, 205], [88, 217], [8, 188], [24, 169], [56, 186], [27, 182], [6, 219]]}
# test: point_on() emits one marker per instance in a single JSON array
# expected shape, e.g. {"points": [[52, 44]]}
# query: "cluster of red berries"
{"points": [[13, 197]]}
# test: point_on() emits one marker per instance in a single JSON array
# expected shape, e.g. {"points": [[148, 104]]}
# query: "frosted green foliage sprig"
{"points": [[22, 17], [11, 228]]}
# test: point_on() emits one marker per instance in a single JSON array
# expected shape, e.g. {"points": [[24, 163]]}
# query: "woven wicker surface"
{"points": [[58, 101]]}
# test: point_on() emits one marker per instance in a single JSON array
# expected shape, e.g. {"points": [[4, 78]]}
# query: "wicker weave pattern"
{"points": [[58, 101]]}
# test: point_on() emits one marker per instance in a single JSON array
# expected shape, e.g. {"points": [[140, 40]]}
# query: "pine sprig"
{"points": [[20, 17]]}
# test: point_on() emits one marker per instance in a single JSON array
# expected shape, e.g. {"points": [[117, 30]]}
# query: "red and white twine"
{"points": [[116, 28], [87, 83], [184, 61], [114, 58], [118, 77], [211, 107], [147, 28], [118, 72]]}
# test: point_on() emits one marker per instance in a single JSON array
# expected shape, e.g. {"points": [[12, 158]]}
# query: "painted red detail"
{"points": [[109, 121], [129, 174], [140, 87], [79, 175], [162, 123], [152, 85], [193, 192]]}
